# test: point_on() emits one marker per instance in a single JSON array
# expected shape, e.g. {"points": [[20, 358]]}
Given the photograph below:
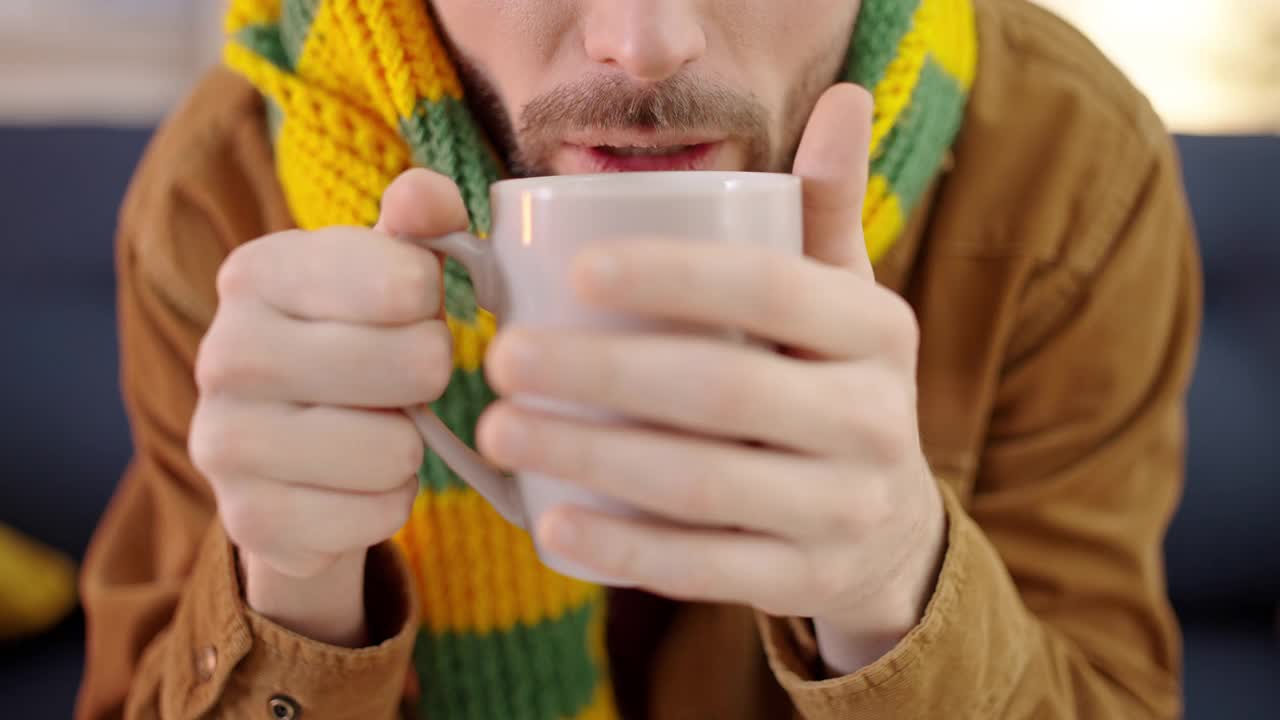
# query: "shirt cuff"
{"points": [[961, 661], [225, 656]]}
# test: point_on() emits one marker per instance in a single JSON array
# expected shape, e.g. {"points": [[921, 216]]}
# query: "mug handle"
{"points": [[490, 286]]}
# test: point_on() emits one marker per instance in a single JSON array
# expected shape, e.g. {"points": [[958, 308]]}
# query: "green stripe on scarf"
{"points": [[459, 408], [925, 125], [444, 137], [295, 25], [881, 27], [265, 40], [560, 682]]}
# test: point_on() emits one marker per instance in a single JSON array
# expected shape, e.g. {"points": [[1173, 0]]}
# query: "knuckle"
{"points": [[394, 510], [244, 521], [875, 417], [885, 441], [240, 271], [227, 357], [901, 329], [430, 360], [408, 448], [215, 446], [235, 275], [889, 439], [404, 293], [214, 361]]}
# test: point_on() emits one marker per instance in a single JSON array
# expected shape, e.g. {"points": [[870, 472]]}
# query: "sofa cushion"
{"points": [[1222, 546]]}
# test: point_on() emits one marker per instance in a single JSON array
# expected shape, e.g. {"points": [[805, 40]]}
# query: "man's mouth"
{"points": [[640, 152], [611, 158], [627, 152]]}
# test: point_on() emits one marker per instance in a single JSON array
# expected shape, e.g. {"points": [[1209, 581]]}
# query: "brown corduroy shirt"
{"points": [[1054, 273]]}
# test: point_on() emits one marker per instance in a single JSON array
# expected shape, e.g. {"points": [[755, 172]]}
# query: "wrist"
{"points": [[858, 638], [328, 607]]}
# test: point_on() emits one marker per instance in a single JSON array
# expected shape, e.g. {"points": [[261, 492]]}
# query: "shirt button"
{"points": [[283, 707], [206, 662]]}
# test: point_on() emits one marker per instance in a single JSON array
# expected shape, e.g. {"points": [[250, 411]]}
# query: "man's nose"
{"points": [[650, 40]]}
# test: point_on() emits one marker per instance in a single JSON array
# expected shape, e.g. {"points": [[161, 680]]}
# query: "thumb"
{"points": [[834, 163], [421, 203]]}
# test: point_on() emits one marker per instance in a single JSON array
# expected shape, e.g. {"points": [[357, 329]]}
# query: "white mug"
{"points": [[520, 274]]}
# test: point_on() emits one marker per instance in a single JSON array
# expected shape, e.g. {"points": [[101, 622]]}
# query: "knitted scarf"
{"points": [[356, 92]]}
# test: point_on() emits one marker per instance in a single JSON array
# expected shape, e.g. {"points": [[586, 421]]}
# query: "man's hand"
{"points": [[319, 339], [797, 479]]}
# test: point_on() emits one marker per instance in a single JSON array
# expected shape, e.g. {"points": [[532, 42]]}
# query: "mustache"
{"points": [[678, 103]]}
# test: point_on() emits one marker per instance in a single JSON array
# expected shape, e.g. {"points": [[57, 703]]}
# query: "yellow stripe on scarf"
{"points": [[479, 572]]}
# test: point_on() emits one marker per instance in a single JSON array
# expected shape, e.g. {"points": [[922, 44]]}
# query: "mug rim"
{"points": [[665, 182]]}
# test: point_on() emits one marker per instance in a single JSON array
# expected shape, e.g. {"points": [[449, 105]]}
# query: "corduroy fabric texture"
{"points": [[357, 91]]}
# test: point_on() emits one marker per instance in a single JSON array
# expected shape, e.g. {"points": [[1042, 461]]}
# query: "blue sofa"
{"points": [[65, 441]]}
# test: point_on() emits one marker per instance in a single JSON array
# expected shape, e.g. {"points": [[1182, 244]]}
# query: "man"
{"points": [[944, 498]]}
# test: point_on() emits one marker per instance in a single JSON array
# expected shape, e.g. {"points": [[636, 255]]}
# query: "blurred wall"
{"points": [[117, 62], [1208, 65]]}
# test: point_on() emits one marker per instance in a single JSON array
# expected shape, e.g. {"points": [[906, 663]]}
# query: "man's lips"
{"points": [[640, 151], [682, 157]]}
